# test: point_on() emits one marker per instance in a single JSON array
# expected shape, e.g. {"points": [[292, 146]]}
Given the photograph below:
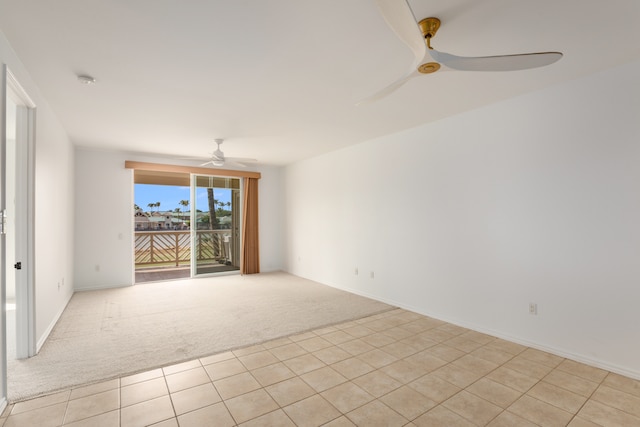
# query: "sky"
{"points": [[169, 196]]}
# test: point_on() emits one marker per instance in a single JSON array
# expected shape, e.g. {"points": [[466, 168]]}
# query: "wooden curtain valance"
{"points": [[159, 167]]}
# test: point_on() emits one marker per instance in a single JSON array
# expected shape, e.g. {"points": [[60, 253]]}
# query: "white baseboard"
{"points": [[597, 363], [47, 332], [101, 287]]}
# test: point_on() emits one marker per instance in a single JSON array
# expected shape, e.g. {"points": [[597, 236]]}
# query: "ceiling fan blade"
{"points": [[241, 159], [389, 89], [238, 164], [399, 17], [217, 158], [516, 62]]}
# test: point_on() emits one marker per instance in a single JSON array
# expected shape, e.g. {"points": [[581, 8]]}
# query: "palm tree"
{"points": [[213, 220], [184, 203], [157, 204], [151, 206], [221, 205]]}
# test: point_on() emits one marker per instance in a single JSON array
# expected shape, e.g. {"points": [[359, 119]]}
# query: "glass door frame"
{"points": [[236, 225]]}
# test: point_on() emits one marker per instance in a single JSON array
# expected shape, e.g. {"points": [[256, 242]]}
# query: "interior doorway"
{"points": [[17, 164], [18, 204]]}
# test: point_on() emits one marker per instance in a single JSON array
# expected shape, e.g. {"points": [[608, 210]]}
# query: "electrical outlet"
{"points": [[372, 275], [533, 308], [356, 271]]}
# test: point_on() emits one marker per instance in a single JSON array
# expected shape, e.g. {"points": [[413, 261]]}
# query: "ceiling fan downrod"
{"points": [[429, 28]]}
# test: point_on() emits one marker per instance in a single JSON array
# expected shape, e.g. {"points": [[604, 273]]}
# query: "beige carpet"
{"points": [[110, 333]]}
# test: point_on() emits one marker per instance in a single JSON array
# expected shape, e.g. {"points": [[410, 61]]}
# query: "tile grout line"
{"points": [[173, 407], [590, 396], [120, 400], [484, 376]]}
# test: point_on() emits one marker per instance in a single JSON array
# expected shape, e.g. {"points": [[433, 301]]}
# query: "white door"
{"points": [[19, 159], [16, 207], [3, 239]]}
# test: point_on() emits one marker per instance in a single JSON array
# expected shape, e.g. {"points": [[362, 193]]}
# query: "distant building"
{"points": [[157, 221]]}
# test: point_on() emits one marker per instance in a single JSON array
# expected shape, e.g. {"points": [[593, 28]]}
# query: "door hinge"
{"points": [[3, 221], [18, 265]]}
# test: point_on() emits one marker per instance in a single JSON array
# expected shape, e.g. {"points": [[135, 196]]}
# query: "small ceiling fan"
{"points": [[218, 158], [400, 18]]}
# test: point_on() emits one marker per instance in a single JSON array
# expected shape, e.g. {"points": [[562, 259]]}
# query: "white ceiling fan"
{"points": [[218, 158], [417, 36]]}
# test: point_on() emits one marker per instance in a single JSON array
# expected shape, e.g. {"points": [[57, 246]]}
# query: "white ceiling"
{"points": [[279, 79]]}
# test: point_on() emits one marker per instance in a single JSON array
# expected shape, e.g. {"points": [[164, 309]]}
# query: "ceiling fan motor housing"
{"points": [[429, 27]]}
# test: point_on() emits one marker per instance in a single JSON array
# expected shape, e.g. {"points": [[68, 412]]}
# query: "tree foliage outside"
{"points": [[211, 221]]}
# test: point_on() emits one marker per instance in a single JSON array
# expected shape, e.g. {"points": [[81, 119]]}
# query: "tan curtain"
{"points": [[250, 263]]}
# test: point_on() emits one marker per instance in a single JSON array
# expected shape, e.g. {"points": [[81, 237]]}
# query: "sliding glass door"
{"points": [[197, 232], [215, 220], [162, 230]]}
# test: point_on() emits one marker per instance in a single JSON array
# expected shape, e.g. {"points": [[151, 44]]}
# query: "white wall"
{"points": [[270, 218], [104, 223], [104, 219], [471, 218], [54, 204]]}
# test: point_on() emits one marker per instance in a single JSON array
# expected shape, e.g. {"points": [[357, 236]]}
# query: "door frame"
{"points": [[25, 216], [226, 173], [236, 228], [3, 239], [25, 221]]}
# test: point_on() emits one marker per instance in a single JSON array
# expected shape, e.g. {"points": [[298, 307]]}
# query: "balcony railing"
{"points": [[173, 248]]}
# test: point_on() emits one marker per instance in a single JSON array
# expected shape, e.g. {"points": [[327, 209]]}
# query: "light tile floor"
{"points": [[392, 369]]}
